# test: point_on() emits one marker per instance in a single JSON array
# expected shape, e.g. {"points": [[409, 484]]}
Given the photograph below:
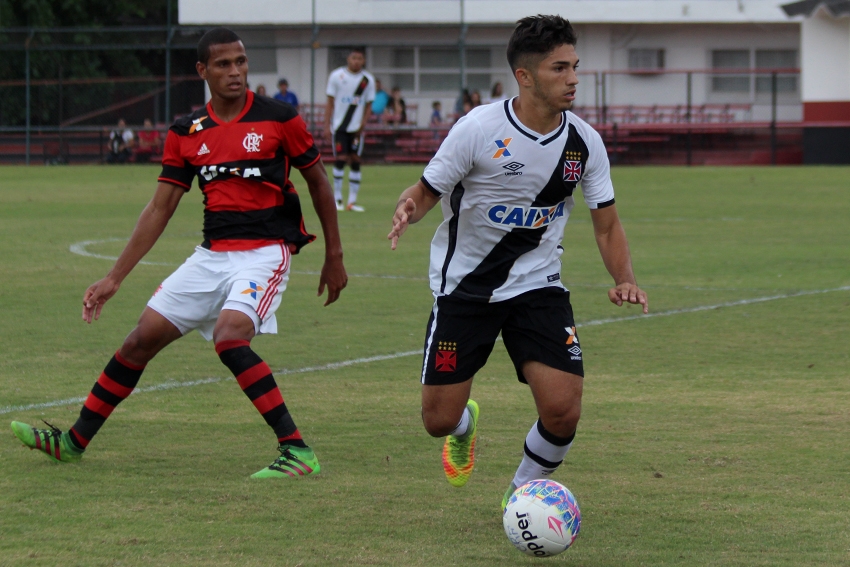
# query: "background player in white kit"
{"points": [[350, 91], [505, 176]]}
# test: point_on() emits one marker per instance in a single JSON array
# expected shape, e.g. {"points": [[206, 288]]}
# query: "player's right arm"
{"points": [[149, 227], [413, 204]]}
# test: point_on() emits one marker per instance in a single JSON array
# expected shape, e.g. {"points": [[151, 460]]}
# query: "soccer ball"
{"points": [[542, 518]]}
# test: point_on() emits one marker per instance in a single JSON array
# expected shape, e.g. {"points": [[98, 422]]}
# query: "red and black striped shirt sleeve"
{"points": [[297, 143], [175, 169]]}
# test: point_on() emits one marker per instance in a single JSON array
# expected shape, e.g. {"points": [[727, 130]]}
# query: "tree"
{"points": [[51, 103]]}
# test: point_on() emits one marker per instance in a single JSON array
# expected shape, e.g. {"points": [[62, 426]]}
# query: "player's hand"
{"points": [[628, 293], [334, 277], [96, 295], [401, 220]]}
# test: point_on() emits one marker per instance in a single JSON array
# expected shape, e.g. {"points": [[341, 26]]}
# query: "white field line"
{"points": [[335, 365]]}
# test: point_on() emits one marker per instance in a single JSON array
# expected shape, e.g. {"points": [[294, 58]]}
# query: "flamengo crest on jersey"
{"points": [[507, 193]]}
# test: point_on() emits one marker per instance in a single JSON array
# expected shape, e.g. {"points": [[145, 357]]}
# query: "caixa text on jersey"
{"points": [[527, 217]]}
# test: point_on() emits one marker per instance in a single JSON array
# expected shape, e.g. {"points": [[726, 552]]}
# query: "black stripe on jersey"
{"points": [[430, 187], [181, 176], [555, 136], [456, 197], [265, 109], [274, 223], [493, 271], [605, 204], [352, 108], [515, 124]]}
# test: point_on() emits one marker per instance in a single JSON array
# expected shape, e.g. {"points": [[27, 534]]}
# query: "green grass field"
{"points": [[714, 431]]}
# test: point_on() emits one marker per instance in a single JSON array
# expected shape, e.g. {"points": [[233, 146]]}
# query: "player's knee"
{"points": [[562, 421], [339, 164], [355, 164], [438, 424], [137, 350]]}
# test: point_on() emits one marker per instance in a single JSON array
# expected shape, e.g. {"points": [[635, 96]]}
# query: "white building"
{"points": [[414, 44]]}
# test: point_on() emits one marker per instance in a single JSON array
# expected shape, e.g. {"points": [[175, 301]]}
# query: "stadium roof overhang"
{"points": [[835, 8]]}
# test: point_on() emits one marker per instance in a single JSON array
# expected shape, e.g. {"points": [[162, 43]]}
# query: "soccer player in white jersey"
{"points": [[505, 177], [351, 90]]}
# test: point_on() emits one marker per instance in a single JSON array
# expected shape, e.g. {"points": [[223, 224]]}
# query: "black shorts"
{"points": [[537, 325], [347, 143]]}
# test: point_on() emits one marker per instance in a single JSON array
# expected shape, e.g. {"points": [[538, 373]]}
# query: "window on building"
{"points": [[434, 70], [776, 59], [646, 59], [731, 59]]}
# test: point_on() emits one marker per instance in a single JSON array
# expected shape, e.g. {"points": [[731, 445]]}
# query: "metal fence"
{"points": [[51, 114]]}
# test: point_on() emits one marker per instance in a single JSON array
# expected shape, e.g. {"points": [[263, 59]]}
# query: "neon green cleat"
{"points": [[52, 442], [459, 452], [507, 496], [293, 462]]}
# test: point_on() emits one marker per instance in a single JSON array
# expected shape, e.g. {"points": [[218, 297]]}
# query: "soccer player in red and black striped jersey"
{"points": [[241, 148]]}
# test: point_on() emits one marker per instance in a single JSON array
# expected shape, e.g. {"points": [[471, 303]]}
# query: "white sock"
{"points": [[338, 175], [353, 186], [543, 453], [463, 424]]}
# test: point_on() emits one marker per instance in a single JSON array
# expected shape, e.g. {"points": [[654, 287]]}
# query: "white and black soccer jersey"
{"points": [[351, 92], [506, 193]]}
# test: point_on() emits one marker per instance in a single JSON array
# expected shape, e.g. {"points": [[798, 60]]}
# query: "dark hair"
{"points": [[357, 49], [215, 36], [536, 36]]}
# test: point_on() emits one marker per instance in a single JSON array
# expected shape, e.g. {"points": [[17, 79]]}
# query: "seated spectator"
{"points": [[463, 104], [149, 143], [475, 99], [396, 111], [284, 94], [379, 105], [121, 141], [496, 94], [261, 90]]}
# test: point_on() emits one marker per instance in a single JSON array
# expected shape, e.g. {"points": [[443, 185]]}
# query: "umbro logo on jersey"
{"points": [[503, 148], [513, 168], [531, 217], [196, 125], [204, 150]]}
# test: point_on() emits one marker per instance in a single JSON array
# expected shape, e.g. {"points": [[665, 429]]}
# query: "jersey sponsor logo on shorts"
{"points": [[210, 172], [196, 125], [503, 148], [525, 217], [572, 338], [253, 290], [446, 359], [204, 150], [513, 168], [252, 142], [576, 353]]}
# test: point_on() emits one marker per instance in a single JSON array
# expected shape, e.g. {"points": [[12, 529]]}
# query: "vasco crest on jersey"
{"points": [[572, 166]]}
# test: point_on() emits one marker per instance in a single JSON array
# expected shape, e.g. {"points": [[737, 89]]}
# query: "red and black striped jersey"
{"points": [[243, 171]]}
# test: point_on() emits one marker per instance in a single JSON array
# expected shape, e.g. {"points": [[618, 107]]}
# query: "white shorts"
{"points": [[250, 281]]}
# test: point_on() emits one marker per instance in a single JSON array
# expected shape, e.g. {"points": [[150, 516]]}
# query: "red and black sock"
{"points": [[256, 380], [116, 382]]}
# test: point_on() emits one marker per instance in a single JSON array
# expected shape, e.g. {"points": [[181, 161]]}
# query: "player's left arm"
{"points": [[333, 272], [614, 248]]}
